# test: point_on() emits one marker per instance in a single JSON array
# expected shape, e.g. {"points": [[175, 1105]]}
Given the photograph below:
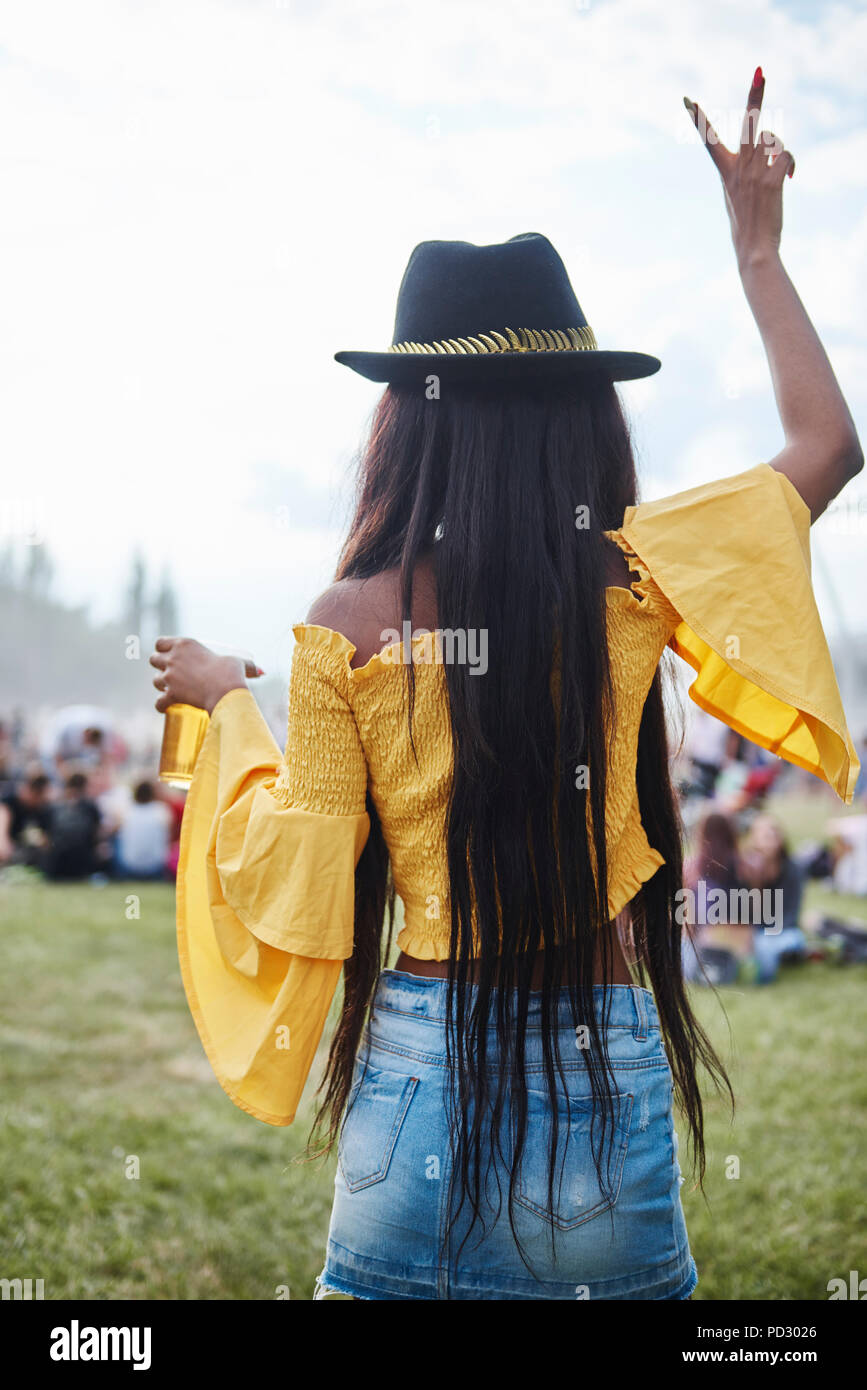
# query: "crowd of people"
{"points": [[744, 898], [79, 812]]}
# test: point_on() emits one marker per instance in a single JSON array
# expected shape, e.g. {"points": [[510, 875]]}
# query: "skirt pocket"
{"points": [[376, 1110], [579, 1194]]}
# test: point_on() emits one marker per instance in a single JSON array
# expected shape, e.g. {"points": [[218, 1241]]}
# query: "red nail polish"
{"points": [[757, 78]]}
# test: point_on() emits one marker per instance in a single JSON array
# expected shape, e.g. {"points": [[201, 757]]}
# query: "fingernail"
{"points": [[259, 671], [791, 170], [757, 77], [690, 105]]}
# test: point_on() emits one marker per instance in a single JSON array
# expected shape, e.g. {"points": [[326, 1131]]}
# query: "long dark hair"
{"points": [[492, 479]]}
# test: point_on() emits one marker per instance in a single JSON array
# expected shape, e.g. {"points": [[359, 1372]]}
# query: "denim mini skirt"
{"points": [[619, 1237]]}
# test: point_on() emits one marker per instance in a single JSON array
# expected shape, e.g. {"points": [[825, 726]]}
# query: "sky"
{"points": [[204, 200]]}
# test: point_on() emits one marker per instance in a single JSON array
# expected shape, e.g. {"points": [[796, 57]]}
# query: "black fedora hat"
{"points": [[483, 312]]}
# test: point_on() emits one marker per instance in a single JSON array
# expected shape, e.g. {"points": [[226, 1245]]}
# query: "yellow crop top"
{"points": [[269, 843]]}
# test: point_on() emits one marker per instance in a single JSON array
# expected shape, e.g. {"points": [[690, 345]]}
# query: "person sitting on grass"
{"points": [[24, 818], [73, 832], [713, 867], [765, 863], [144, 835]]}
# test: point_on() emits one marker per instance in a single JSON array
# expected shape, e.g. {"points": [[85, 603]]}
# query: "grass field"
{"points": [[102, 1067]]}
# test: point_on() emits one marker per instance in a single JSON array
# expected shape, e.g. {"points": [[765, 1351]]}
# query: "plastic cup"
{"points": [[183, 735], [184, 731]]}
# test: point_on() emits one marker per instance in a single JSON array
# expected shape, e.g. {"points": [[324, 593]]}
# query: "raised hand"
{"points": [[821, 451], [752, 178]]}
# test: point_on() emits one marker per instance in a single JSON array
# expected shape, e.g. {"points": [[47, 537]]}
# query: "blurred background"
{"points": [[203, 201]]}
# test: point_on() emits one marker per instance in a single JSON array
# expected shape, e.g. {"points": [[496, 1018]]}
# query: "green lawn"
{"points": [[101, 1062], [797, 1214]]}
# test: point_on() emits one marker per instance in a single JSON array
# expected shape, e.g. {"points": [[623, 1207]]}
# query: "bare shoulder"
{"points": [[359, 609], [367, 611]]}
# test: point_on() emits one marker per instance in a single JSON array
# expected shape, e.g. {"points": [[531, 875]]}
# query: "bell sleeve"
{"points": [[731, 559], [266, 879]]}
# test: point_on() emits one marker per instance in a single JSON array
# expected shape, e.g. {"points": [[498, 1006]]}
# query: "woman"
{"points": [[766, 867], [715, 861], [710, 872], [504, 1095]]}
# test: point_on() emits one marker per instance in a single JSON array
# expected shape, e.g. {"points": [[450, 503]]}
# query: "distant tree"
{"points": [[133, 614], [7, 565], [166, 608], [38, 572]]}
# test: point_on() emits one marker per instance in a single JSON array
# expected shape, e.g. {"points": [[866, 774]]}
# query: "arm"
{"points": [[266, 867], [821, 451]]}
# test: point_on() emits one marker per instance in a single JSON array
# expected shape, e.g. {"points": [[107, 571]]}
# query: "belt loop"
{"points": [[639, 1032]]}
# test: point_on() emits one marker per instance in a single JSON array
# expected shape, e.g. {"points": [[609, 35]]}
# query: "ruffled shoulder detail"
{"points": [[732, 558], [642, 592], [324, 639], [337, 651], [329, 649]]}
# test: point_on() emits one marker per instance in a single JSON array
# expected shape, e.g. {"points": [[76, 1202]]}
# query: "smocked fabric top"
{"points": [[270, 842]]}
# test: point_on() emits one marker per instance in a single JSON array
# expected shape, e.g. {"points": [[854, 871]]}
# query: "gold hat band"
{"points": [[525, 340]]}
